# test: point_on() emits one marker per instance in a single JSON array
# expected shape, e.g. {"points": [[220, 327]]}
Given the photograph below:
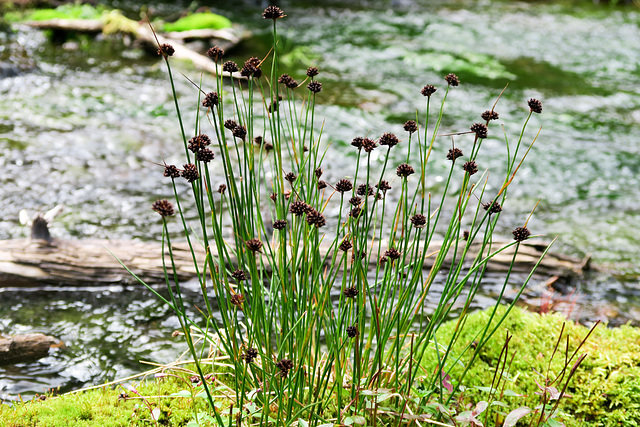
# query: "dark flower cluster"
{"points": [[535, 105], [490, 115], [364, 190], [411, 126], [369, 145], [452, 80], [350, 292], [254, 245], [312, 72], [352, 331], [215, 53], [357, 142], [383, 186], [230, 67], [288, 81], [404, 170], [453, 154], [251, 68], [346, 245], [393, 253], [273, 12], [210, 100], [280, 224], [343, 186], [230, 124], [250, 354], [492, 207], [355, 212], [428, 90], [237, 300], [521, 233], [204, 155], [314, 86], [190, 172], [239, 275], [222, 188], [285, 365], [290, 176], [239, 132], [163, 207], [480, 129], [171, 171], [355, 201], [198, 142], [389, 140], [166, 50], [470, 167], [322, 185], [299, 208], [418, 220], [316, 218]]}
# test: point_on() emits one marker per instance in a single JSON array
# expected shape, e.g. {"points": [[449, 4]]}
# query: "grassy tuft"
{"points": [[198, 21]]}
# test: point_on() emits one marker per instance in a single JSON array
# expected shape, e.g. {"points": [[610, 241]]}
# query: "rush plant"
{"points": [[313, 292]]}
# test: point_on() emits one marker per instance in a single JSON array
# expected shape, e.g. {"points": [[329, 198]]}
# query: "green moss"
{"points": [[605, 389], [198, 21], [66, 11]]}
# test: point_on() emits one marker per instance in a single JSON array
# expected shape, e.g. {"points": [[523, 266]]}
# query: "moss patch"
{"points": [[66, 11], [198, 21], [605, 389]]}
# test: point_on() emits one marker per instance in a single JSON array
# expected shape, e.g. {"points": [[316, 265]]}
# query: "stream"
{"points": [[84, 123]]}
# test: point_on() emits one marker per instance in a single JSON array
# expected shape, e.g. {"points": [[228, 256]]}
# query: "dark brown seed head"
{"points": [[230, 67], [343, 186], [250, 354], [171, 171], [418, 220], [393, 253], [239, 275], [222, 188], [452, 80], [215, 53], [352, 331], [411, 126], [254, 245], [273, 196], [492, 207], [490, 115], [285, 365], [357, 142], [535, 105], [350, 292], [190, 172], [465, 235], [257, 140], [345, 245], [249, 70], [316, 218], [198, 142], [163, 207], [428, 90], [280, 224], [318, 172], [383, 260], [480, 129], [470, 167], [268, 147], [290, 176], [404, 170], [210, 100], [230, 124], [166, 50], [204, 155], [453, 154], [521, 233], [299, 208], [383, 186], [358, 255], [355, 212], [292, 84], [273, 12], [284, 79], [237, 300], [369, 144], [365, 190], [314, 86], [322, 185], [355, 201], [239, 132], [389, 140], [312, 71]]}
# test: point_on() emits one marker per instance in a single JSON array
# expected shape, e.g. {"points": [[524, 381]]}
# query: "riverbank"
{"points": [[604, 389]]}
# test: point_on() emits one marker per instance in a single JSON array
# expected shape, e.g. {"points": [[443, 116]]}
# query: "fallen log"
{"points": [[116, 23], [24, 348], [25, 262]]}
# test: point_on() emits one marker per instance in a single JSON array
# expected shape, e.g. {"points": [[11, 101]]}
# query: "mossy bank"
{"points": [[605, 390]]}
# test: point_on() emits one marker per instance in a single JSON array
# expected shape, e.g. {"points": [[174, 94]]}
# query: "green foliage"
{"points": [[65, 11], [605, 389], [198, 21]]}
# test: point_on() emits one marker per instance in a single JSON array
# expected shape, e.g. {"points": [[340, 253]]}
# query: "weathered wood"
{"points": [[89, 262], [24, 348], [143, 33]]}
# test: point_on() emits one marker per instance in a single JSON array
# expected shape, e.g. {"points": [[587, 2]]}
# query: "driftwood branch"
{"points": [[89, 262], [24, 348]]}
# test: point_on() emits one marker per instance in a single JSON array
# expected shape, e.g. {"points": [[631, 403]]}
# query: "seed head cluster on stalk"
{"points": [[315, 299]]}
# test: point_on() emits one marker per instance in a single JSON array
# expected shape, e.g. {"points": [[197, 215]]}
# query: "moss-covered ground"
{"points": [[605, 390]]}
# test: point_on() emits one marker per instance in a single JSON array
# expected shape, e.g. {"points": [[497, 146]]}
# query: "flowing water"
{"points": [[82, 123]]}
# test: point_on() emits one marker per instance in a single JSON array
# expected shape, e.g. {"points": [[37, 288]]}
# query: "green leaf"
{"points": [[302, 423], [182, 393]]}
